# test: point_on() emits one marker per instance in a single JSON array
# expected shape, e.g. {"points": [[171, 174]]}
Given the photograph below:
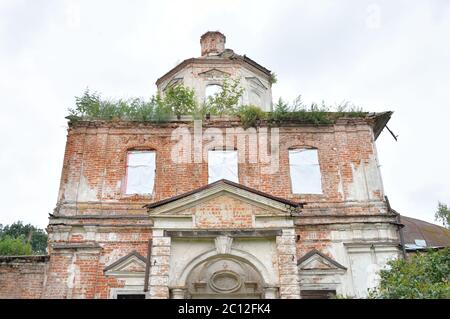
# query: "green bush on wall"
{"points": [[179, 100], [10, 246]]}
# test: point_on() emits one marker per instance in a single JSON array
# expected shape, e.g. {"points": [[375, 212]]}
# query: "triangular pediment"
{"points": [[225, 197], [173, 82], [315, 260], [131, 264], [214, 73]]}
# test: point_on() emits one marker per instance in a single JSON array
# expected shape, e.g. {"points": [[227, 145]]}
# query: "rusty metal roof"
{"points": [[416, 229]]}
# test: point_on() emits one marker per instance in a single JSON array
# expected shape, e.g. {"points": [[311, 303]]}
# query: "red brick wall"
{"points": [[224, 212], [79, 272], [94, 173], [97, 156], [22, 277]]}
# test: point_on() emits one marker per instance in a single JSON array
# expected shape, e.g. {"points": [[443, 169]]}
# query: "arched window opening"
{"points": [[211, 90]]}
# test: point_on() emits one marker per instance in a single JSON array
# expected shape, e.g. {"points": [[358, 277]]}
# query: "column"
{"points": [[287, 265], [159, 266], [270, 292], [178, 293]]}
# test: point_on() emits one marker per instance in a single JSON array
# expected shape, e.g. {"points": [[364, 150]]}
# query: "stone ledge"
{"points": [[24, 259], [77, 246], [215, 233]]}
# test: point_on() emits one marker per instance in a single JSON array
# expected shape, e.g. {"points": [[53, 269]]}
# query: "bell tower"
{"points": [[212, 43]]}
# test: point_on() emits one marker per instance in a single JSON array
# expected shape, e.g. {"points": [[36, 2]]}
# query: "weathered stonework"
{"points": [[159, 268], [253, 239], [287, 260], [22, 277]]}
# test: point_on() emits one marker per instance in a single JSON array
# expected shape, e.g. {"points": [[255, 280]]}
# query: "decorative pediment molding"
{"points": [[173, 82], [214, 73], [316, 261], [273, 205], [257, 82], [132, 264]]}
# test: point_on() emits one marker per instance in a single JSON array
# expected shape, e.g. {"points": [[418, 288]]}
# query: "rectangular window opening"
{"points": [[140, 172], [305, 171], [223, 164]]}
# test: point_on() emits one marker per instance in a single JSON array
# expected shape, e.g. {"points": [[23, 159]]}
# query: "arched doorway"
{"points": [[222, 277]]}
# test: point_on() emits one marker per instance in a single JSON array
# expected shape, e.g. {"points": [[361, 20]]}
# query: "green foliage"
{"points": [[250, 115], [36, 237], [300, 112], [273, 78], [226, 101], [443, 214], [313, 113], [339, 296], [348, 109], [90, 106], [423, 276], [10, 246], [180, 100]]}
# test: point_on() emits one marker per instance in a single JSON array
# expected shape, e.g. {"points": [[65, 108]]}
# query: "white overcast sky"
{"points": [[381, 55]]}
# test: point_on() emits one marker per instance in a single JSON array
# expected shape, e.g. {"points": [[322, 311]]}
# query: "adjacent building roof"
{"points": [[419, 234]]}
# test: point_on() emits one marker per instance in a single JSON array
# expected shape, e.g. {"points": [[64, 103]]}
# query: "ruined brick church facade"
{"points": [[140, 214]]}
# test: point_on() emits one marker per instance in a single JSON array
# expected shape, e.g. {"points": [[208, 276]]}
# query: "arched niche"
{"points": [[224, 276]]}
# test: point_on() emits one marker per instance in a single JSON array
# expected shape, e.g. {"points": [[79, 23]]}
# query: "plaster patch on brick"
{"points": [[373, 177], [71, 273], [340, 187], [366, 180], [80, 191], [113, 256], [86, 193]]}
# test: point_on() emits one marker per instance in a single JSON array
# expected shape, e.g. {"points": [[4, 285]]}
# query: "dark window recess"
{"points": [[317, 294], [130, 296]]}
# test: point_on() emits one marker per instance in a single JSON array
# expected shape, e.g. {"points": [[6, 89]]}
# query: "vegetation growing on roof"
{"points": [[251, 115], [90, 106], [297, 112], [273, 78], [179, 100]]}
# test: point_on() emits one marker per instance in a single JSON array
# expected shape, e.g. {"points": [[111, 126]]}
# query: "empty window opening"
{"points": [[305, 171], [223, 164], [211, 90], [140, 172]]}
